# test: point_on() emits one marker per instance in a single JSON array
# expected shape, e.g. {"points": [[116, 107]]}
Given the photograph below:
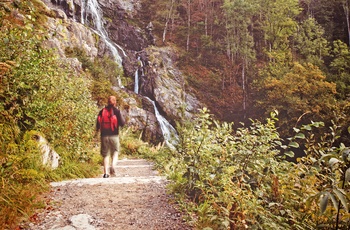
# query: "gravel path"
{"points": [[135, 199]]}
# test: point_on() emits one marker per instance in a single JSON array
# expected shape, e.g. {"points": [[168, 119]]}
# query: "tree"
{"points": [[346, 7], [333, 16], [239, 40], [340, 67], [310, 43], [278, 22], [188, 25], [168, 18], [300, 91]]}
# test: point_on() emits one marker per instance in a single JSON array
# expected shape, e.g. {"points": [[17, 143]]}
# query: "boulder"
{"points": [[50, 157]]}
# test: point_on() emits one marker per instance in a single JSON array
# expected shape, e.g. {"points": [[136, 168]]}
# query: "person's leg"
{"points": [[115, 153], [105, 154], [106, 165]]}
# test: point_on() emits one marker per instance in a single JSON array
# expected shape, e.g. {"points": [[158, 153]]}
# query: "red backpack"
{"points": [[108, 120]]}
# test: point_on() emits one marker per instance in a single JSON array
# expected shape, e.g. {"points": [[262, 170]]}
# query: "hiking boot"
{"points": [[112, 171], [105, 175]]}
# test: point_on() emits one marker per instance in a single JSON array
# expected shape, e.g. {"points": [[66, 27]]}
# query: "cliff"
{"points": [[112, 28]]}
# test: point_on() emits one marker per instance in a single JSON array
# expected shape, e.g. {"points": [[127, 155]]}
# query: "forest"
{"points": [[247, 58], [269, 151]]}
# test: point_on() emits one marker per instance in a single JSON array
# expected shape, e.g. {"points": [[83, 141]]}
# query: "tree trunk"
{"points": [[188, 24], [244, 89], [169, 16], [206, 18], [346, 11]]}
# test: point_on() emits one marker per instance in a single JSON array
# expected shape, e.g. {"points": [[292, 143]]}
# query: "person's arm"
{"points": [[97, 128], [121, 121]]}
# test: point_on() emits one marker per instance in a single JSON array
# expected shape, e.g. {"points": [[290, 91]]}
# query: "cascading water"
{"points": [[136, 86], [169, 132], [92, 11], [91, 8]]}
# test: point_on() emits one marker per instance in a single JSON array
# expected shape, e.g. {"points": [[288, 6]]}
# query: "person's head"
{"points": [[112, 101]]}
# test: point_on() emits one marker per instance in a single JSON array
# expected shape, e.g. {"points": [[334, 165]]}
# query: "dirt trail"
{"points": [[135, 199]]}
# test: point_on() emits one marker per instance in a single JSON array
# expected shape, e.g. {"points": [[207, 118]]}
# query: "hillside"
{"points": [[243, 105], [239, 56]]}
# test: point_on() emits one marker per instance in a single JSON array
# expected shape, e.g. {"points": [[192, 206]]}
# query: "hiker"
{"points": [[108, 121]]}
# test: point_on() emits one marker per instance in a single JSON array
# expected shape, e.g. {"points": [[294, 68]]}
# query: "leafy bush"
{"points": [[328, 167], [104, 72], [301, 90], [39, 94], [238, 179]]}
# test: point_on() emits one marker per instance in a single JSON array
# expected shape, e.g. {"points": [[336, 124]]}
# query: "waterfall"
{"points": [[120, 82], [136, 86], [169, 132], [92, 8]]}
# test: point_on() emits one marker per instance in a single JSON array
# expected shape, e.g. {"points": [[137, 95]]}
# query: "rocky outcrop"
{"points": [[140, 116], [166, 85], [160, 80], [50, 157], [119, 31]]}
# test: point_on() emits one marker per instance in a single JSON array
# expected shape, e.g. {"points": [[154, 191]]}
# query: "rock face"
{"points": [[119, 31], [159, 79], [166, 84]]}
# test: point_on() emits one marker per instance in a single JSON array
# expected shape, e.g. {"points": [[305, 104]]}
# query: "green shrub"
{"points": [[39, 95], [238, 179], [104, 74]]}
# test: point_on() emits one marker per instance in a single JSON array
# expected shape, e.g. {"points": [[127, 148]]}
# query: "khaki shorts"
{"points": [[110, 145]]}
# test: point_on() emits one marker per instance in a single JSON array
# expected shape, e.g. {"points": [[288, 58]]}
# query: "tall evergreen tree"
{"points": [[340, 68], [310, 42]]}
